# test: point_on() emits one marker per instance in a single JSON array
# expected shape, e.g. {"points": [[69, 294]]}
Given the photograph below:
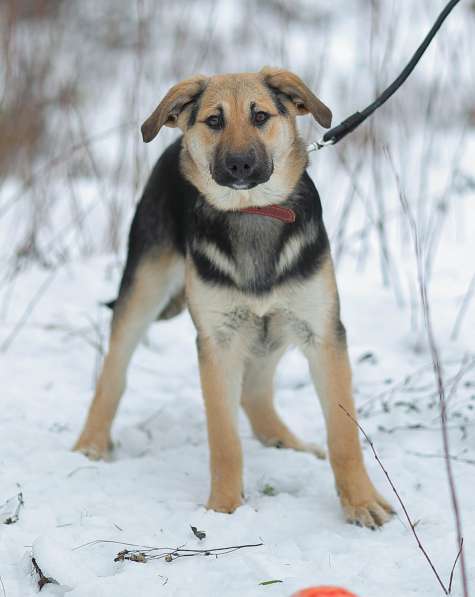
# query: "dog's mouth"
{"points": [[242, 186]]}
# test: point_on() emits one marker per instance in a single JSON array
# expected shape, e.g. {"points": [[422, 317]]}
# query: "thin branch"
{"points": [[144, 553], [434, 352], [97, 541], [80, 468], [59, 159], [169, 555], [42, 578], [399, 499], [455, 458], [28, 311], [15, 517], [453, 567], [463, 308]]}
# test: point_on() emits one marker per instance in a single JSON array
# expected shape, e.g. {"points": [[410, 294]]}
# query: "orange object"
{"points": [[323, 592]]}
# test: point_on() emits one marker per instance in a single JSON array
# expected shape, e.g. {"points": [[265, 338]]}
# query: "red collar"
{"points": [[284, 214]]}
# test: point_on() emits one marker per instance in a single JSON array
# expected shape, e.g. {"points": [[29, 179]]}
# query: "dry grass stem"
{"points": [[412, 525]]}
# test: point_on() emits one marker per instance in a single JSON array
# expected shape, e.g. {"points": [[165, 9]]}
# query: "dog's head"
{"points": [[241, 144]]}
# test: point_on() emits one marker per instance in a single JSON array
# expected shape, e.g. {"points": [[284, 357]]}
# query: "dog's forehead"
{"points": [[242, 88]]}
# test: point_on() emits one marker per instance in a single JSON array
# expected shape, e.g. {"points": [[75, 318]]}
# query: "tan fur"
{"points": [[331, 374], [156, 280], [234, 93], [304, 99], [175, 306], [258, 403], [316, 303], [168, 110], [221, 384]]}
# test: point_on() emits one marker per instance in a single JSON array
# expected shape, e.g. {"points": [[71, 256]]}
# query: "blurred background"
{"points": [[78, 78]]}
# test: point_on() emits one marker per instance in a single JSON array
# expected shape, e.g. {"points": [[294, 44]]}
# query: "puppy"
{"points": [[230, 225]]}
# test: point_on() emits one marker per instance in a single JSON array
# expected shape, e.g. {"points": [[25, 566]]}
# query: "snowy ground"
{"points": [[53, 329], [157, 484]]}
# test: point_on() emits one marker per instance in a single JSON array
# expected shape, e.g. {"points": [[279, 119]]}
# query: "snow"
{"points": [[77, 514], [157, 483]]}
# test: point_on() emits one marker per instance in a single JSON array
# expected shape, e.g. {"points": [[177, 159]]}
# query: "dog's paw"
{"points": [[226, 504], [95, 447], [370, 512], [293, 443], [314, 449]]}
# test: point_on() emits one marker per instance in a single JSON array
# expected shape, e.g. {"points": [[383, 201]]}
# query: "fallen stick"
{"points": [[42, 579], [169, 555]]}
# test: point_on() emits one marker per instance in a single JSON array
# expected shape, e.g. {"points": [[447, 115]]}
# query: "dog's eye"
{"points": [[260, 117], [214, 122]]}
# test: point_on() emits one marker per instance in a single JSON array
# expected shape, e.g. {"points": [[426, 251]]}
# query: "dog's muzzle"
{"points": [[243, 170]]}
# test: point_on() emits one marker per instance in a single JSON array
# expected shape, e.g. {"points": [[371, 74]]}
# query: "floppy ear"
{"points": [[168, 110], [303, 99]]}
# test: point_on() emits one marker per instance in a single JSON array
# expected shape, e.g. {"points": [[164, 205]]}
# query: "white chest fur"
{"points": [[294, 313]]}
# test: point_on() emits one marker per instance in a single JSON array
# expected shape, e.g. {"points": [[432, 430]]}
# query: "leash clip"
{"points": [[316, 145]]}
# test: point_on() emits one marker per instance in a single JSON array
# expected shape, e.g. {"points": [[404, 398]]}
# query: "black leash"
{"points": [[348, 125]]}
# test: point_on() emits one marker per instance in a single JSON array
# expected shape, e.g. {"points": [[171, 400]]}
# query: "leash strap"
{"points": [[348, 125]]}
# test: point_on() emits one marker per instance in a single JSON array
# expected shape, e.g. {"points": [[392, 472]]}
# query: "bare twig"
{"points": [[463, 308], [468, 363], [415, 384], [97, 541], [61, 158], [455, 458], [144, 553], [414, 426], [42, 579], [3, 587], [453, 567], [79, 468], [15, 517], [434, 352], [412, 525], [169, 555], [28, 311]]}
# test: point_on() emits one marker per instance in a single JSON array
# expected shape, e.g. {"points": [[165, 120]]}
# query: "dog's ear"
{"points": [[168, 110], [301, 96]]}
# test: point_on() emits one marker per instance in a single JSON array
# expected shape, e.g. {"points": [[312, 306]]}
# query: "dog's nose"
{"points": [[240, 166]]}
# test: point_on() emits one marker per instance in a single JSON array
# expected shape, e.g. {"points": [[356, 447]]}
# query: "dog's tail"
{"points": [[174, 307]]}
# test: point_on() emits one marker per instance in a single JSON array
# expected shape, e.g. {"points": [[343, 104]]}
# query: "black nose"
{"points": [[240, 166]]}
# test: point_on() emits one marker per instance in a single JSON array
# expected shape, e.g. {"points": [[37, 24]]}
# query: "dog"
{"points": [[230, 225]]}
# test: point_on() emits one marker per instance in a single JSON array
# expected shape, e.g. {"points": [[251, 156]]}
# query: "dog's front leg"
{"points": [[331, 373], [221, 370]]}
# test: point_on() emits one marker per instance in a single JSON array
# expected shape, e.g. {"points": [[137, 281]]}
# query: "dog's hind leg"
{"points": [[257, 401], [145, 290]]}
